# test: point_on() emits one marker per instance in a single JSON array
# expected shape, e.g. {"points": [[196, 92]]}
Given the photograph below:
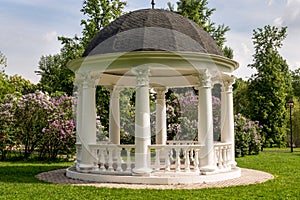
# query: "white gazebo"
{"points": [[153, 49]]}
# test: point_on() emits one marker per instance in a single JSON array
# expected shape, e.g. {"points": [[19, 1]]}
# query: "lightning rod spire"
{"points": [[153, 4]]}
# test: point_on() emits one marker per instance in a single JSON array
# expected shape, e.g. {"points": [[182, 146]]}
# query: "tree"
{"points": [[14, 85], [20, 85], [54, 74], [296, 82], [240, 97], [5, 86], [3, 62], [198, 11], [270, 87]]}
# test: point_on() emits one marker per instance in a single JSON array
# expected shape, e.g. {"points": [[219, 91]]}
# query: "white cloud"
{"points": [[270, 2], [50, 36], [289, 2], [245, 47], [290, 15], [278, 21], [241, 44]]}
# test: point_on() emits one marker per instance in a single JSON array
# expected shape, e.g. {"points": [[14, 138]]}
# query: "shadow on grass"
{"points": [[24, 173]]}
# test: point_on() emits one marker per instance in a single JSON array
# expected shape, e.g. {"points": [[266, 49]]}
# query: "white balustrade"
{"points": [[176, 157], [112, 158], [222, 156]]}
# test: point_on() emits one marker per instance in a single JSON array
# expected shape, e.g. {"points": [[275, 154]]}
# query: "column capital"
{"points": [[205, 79], [160, 91], [142, 75], [114, 90], [86, 80], [227, 84]]}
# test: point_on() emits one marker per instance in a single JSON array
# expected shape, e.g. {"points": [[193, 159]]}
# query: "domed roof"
{"points": [[152, 30]]}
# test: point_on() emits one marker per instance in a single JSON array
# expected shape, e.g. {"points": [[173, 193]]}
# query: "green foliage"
{"points": [[102, 102], [127, 115], [295, 123], [3, 62], [296, 82], [200, 13], [55, 77], [17, 181], [240, 97], [296, 110], [5, 86], [99, 14], [14, 85], [21, 86], [270, 87]]}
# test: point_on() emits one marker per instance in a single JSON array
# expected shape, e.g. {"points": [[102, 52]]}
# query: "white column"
{"points": [[161, 117], [205, 124], [87, 123], [114, 115], [142, 122], [227, 116], [78, 84]]}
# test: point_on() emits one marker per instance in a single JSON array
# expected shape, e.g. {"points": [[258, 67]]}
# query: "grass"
{"points": [[17, 181]]}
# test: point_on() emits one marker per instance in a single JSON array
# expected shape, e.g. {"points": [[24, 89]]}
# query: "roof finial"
{"points": [[153, 4]]}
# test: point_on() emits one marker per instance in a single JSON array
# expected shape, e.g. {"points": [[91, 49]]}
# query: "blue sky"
{"points": [[29, 28]]}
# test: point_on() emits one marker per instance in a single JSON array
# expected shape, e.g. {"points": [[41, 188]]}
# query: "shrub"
{"points": [[248, 137], [37, 122], [7, 139]]}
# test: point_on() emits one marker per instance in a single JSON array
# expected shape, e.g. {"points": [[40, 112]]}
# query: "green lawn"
{"points": [[17, 181]]}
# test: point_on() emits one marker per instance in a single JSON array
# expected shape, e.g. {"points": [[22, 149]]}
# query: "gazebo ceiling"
{"points": [[152, 30]]}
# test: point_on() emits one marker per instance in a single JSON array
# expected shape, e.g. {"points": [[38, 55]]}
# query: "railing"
{"points": [[223, 156], [176, 156], [112, 158]]}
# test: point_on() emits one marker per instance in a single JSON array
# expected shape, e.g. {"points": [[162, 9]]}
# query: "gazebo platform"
{"points": [[178, 162], [155, 178]]}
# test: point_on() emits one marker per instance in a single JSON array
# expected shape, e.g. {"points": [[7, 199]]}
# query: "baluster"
{"points": [[196, 161], [177, 161], [167, 159], [192, 154], [171, 155], [228, 155], [217, 155], [119, 159], [157, 159], [110, 159], [221, 157], [128, 161], [187, 160], [102, 159]]}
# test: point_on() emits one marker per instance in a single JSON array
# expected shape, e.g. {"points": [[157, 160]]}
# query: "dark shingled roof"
{"points": [[152, 30]]}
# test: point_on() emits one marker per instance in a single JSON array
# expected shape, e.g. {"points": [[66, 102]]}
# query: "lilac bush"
{"points": [[38, 122], [7, 139], [182, 116], [59, 134], [248, 137]]}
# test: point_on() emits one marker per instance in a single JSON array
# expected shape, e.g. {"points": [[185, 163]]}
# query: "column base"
{"points": [[206, 170], [233, 164], [81, 167], [144, 171]]}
